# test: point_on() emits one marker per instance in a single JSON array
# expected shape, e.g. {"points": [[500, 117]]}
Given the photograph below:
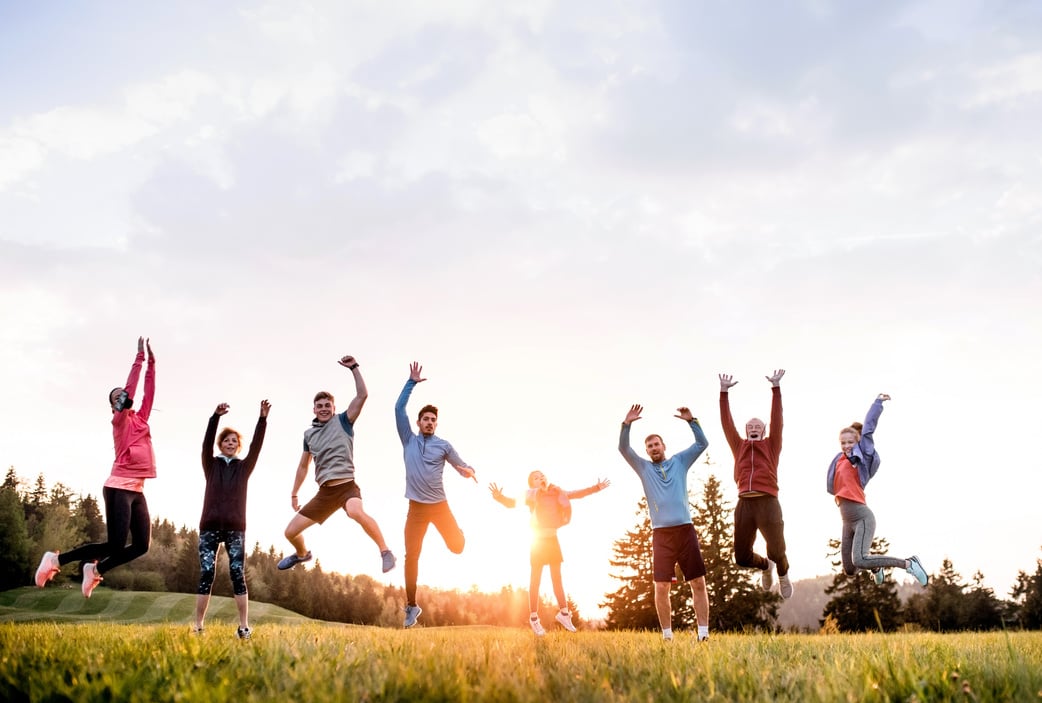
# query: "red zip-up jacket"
{"points": [[755, 461]]}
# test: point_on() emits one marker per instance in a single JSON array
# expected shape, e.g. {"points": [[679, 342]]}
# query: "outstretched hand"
{"points": [[602, 484], [264, 408], [148, 347], [633, 415], [726, 381], [776, 378], [414, 372], [221, 409], [470, 473], [684, 414], [140, 344], [495, 490], [348, 361]]}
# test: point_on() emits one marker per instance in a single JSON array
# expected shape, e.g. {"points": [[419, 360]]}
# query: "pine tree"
{"points": [[735, 603], [941, 606], [632, 606], [857, 601], [1027, 597], [15, 561]]}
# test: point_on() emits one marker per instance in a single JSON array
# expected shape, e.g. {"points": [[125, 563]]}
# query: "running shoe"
{"points": [[244, 633], [879, 575], [915, 568], [91, 578], [48, 569], [292, 560], [785, 586], [389, 560], [565, 619], [537, 627], [767, 576], [412, 614]]}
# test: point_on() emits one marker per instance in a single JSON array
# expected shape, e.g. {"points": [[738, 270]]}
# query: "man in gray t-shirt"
{"points": [[330, 441]]}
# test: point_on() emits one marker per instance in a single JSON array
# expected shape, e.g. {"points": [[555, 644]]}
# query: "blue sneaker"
{"points": [[878, 575], [915, 568], [412, 614], [389, 561], [292, 560]]}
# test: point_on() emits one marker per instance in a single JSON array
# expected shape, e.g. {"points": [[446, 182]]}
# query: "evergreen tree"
{"points": [[981, 609], [942, 605], [735, 603], [92, 523], [1027, 597], [15, 559], [632, 606], [857, 600], [11, 481]]}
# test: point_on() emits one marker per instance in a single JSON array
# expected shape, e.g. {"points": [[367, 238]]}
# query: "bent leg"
{"points": [[445, 522], [772, 526], [355, 511], [294, 533], [138, 524], [416, 523], [745, 535]]}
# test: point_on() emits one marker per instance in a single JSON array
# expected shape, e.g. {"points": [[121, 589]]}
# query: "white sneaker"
{"points": [[537, 627], [91, 579], [48, 569], [785, 586], [565, 619], [767, 576]]}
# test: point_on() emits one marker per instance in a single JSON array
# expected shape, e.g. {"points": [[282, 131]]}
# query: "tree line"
{"points": [[35, 518]]}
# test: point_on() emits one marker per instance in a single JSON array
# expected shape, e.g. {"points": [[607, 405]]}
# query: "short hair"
{"points": [[228, 431], [322, 395], [648, 438], [427, 409]]}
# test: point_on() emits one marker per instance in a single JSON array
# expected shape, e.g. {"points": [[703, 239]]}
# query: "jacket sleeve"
{"points": [[256, 442], [691, 454], [150, 390], [581, 493], [867, 441], [456, 461], [134, 375], [208, 439], [626, 450], [727, 423], [401, 420], [776, 420]]}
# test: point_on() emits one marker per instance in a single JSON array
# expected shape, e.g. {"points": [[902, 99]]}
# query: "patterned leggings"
{"points": [[209, 543]]}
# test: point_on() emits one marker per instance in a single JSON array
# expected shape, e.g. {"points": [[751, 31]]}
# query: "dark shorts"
{"points": [[546, 549], [676, 545], [330, 499]]}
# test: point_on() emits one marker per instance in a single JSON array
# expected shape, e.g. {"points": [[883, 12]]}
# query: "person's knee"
{"points": [[698, 585], [744, 558], [456, 545]]}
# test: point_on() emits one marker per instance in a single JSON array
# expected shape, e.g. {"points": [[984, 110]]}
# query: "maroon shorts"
{"points": [[676, 545], [330, 499]]}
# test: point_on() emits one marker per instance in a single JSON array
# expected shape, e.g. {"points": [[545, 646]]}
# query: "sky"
{"points": [[559, 209]]}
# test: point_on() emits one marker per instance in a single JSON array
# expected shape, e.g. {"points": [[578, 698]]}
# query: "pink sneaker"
{"points": [[91, 578], [48, 569]]}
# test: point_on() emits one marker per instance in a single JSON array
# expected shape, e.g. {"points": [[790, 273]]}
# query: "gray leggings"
{"points": [[859, 527]]}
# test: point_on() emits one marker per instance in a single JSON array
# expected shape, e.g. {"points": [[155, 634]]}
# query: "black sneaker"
{"points": [[244, 633]]}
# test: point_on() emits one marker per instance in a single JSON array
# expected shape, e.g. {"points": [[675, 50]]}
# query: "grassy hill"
{"points": [[68, 605]]}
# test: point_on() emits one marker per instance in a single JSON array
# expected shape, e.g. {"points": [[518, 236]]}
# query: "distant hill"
{"points": [[68, 605], [804, 610]]}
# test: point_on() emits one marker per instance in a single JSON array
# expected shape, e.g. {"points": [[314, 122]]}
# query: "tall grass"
{"points": [[101, 660]]}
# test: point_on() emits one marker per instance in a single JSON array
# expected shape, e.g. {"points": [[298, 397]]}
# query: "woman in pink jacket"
{"points": [[126, 510]]}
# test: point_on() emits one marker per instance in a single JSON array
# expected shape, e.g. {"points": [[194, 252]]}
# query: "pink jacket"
{"points": [[131, 436]]}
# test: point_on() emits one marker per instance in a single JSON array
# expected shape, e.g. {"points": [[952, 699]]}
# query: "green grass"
{"points": [[300, 660]]}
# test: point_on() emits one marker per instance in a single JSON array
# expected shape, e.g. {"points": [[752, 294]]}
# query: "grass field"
{"points": [[139, 647]]}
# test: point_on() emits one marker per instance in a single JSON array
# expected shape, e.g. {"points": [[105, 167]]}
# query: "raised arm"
{"points": [[691, 454], [625, 449], [135, 369], [583, 492], [726, 419], [867, 441], [211, 435], [150, 384], [298, 479], [355, 406], [775, 435], [257, 441], [401, 419], [497, 494]]}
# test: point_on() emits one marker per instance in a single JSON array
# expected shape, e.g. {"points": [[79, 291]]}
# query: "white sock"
{"points": [[703, 631], [667, 633], [534, 616], [565, 611]]}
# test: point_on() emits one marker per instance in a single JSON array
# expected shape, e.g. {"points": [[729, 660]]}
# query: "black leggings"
{"points": [[761, 513], [126, 513]]}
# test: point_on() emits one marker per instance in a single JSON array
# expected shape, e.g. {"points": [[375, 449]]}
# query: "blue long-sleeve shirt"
{"points": [[425, 457], [665, 483]]}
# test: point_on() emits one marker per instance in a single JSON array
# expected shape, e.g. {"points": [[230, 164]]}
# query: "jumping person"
{"points": [[756, 475], [126, 510], [673, 540], [550, 509], [849, 472], [331, 444], [223, 519], [425, 456]]}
